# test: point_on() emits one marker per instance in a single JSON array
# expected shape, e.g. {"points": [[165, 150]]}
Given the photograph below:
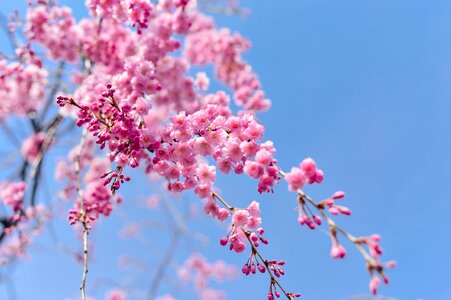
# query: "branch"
{"points": [[333, 225]]}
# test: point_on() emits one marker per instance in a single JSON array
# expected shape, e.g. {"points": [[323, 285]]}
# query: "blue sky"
{"points": [[364, 88]]}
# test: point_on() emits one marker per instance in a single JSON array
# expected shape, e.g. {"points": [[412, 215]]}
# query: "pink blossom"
{"points": [[254, 209], [240, 217], [116, 294], [32, 146], [295, 179]]}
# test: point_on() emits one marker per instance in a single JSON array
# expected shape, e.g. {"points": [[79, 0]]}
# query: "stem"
{"points": [[77, 166], [229, 207], [85, 262]]}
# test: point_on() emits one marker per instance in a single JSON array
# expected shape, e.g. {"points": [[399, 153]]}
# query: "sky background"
{"points": [[364, 88]]}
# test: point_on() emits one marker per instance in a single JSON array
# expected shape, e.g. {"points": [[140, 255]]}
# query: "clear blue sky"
{"points": [[362, 86]]}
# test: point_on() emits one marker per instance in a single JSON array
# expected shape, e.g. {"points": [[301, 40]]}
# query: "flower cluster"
{"points": [[55, 29], [306, 173], [136, 91], [31, 147], [12, 195], [19, 229], [223, 49], [312, 213], [242, 221], [232, 141], [198, 270], [21, 88]]}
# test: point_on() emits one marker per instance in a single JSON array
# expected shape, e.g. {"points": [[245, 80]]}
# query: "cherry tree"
{"points": [[128, 86]]}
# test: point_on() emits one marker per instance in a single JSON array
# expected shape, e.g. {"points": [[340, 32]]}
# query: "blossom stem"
{"points": [[333, 225], [266, 263]]}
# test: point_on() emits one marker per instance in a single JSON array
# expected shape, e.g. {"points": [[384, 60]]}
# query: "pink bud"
{"points": [[310, 224], [375, 237], [391, 264], [338, 195], [317, 220], [337, 251], [333, 210], [344, 210], [374, 283], [245, 269], [253, 269], [223, 241]]}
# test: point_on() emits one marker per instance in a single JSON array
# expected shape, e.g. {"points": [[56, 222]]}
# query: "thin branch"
{"points": [[35, 173], [55, 88], [161, 269]]}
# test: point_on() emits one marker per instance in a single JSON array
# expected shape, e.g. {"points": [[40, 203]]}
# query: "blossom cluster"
{"points": [[23, 226], [198, 270], [21, 88], [135, 89]]}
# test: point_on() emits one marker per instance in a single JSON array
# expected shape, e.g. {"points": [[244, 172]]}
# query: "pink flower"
{"points": [[374, 284], [253, 169], [32, 146], [254, 209], [116, 294], [240, 217], [202, 81], [295, 179], [308, 166], [206, 174]]}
